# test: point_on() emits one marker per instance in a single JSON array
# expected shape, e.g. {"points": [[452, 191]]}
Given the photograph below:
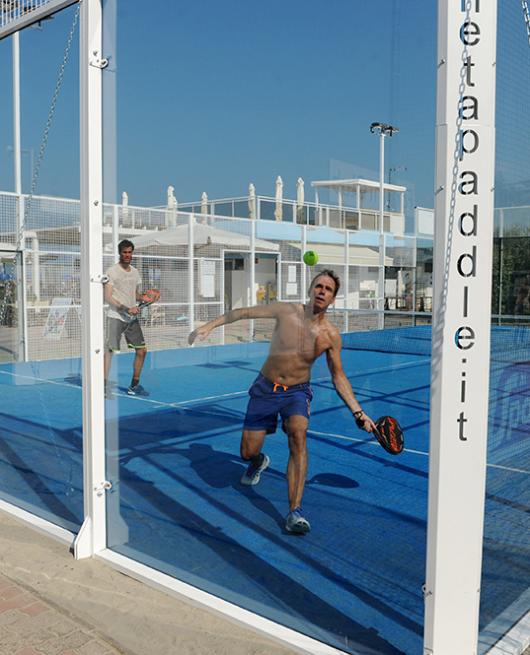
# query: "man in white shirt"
{"points": [[122, 293]]}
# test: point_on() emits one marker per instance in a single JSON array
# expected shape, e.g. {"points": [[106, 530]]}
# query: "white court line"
{"points": [[372, 442], [182, 403], [126, 395], [240, 393], [36, 379]]}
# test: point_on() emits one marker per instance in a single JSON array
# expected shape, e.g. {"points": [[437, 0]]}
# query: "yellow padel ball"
{"points": [[310, 258]]}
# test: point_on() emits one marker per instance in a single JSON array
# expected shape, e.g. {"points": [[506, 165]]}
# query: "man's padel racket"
{"points": [[389, 434], [148, 298]]}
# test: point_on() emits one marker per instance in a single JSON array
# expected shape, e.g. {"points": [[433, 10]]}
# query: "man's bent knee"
{"points": [[297, 439], [251, 444]]}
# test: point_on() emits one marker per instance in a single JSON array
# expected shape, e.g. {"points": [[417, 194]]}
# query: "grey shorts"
{"points": [[131, 331]]}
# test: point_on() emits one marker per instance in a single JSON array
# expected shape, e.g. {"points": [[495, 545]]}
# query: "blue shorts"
{"points": [[268, 399]]}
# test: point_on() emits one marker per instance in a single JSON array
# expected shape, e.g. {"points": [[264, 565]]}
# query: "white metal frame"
{"points": [[26, 14], [465, 157], [92, 536]]}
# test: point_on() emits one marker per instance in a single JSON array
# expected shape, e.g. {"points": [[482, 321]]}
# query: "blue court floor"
{"points": [[176, 504]]}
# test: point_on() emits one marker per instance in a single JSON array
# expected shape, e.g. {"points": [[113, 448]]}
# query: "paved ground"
{"points": [[51, 604]]}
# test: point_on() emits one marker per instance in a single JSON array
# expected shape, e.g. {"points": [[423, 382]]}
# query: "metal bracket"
{"points": [[100, 278], [102, 486], [98, 62], [425, 592]]}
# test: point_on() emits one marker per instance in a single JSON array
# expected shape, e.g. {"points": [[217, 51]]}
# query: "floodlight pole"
{"points": [[383, 129]]}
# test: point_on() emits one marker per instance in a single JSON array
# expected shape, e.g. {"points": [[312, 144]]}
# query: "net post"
{"points": [[465, 147]]}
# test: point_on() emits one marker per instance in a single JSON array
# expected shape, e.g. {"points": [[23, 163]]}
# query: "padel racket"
{"points": [[148, 298], [389, 434]]}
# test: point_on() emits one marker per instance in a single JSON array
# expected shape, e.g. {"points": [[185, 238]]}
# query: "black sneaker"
{"points": [[137, 390]]}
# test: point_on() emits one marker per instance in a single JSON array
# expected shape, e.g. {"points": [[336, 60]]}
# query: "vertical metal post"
{"points": [[22, 289], [381, 274], [115, 229], [465, 156], [346, 278], [279, 293], [501, 265], [16, 113], [222, 296], [22, 297], [252, 298], [92, 536], [414, 278], [303, 277], [191, 271]]}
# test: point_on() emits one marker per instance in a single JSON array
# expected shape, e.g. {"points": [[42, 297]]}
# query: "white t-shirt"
{"points": [[125, 284]]}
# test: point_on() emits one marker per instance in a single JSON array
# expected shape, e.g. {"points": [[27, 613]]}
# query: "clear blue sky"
{"points": [[212, 95]]}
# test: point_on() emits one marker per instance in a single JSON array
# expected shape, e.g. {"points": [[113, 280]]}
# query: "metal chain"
{"points": [[8, 295], [49, 121], [454, 181], [526, 14]]}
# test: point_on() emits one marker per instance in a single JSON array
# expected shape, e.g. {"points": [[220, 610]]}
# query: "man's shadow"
{"points": [[222, 470]]}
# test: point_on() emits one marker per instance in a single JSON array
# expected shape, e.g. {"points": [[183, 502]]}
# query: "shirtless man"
{"points": [[301, 334]]}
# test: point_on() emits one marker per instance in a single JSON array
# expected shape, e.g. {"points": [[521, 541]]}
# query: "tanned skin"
{"points": [[301, 334]]}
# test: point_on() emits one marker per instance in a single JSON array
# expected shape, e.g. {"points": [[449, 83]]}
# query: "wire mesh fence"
{"points": [[202, 264]]}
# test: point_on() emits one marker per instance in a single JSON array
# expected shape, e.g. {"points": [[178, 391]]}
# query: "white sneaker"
{"points": [[253, 473]]}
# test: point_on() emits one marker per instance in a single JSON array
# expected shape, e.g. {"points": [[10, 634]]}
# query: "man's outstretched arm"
{"points": [[342, 384], [258, 311]]}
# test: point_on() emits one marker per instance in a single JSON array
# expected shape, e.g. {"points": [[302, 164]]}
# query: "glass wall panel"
{"points": [[41, 431], [181, 501], [505, 588]]}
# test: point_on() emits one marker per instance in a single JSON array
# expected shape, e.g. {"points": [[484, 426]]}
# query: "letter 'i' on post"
{"points": [[465, 157]]}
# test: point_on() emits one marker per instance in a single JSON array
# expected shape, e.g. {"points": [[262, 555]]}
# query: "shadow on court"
{"points": [[248, 566]]}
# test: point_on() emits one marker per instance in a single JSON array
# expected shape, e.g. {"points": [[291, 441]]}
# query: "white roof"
{"points": [[351, 185], [358, 255], [203, 235]]}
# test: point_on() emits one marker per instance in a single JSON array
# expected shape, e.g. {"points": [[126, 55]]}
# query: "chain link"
{"points": [[526, 14], [454, 180], [6, 300], [49, 121]]}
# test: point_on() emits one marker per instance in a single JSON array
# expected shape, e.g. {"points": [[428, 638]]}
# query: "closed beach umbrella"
{"points": [[251, 200], [279, 199], [125, 203], [204, 203], [171, 207], [300, 199]]}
